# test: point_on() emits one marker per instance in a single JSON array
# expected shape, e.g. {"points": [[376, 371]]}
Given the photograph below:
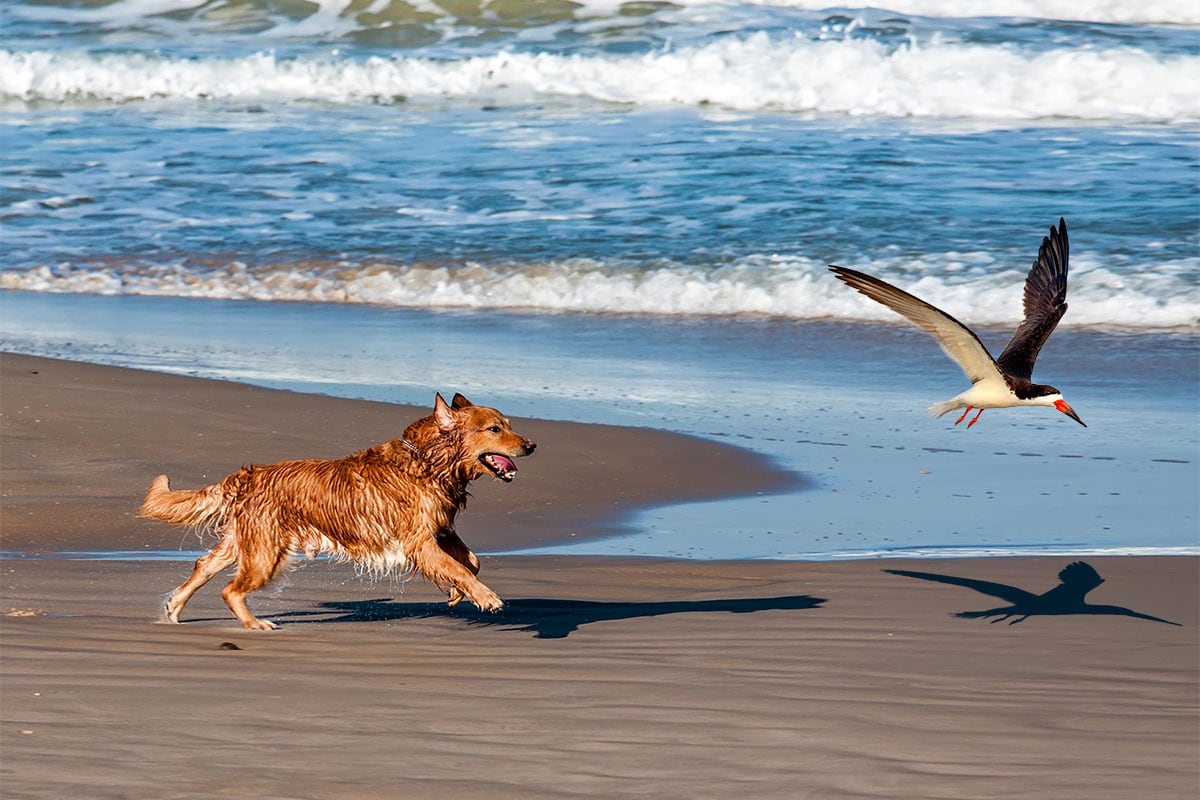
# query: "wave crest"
{"points": [[328, 18], [754, 73], [979, 292]]}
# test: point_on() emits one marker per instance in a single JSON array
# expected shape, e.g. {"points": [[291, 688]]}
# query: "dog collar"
{"points": [[410, 446]]}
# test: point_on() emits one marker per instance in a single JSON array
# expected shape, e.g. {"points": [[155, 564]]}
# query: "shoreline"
{"points": [[818, 400], [122, 426]]}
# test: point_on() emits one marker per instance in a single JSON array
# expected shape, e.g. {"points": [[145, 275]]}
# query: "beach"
{"points": [[743, 560], [603, 676]]}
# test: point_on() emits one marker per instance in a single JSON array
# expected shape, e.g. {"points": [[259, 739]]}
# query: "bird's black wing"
{"points": [[1045, 304]]}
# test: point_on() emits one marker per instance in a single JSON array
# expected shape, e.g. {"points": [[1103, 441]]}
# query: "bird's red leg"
{"points": [[977, 416], [964, 416]]}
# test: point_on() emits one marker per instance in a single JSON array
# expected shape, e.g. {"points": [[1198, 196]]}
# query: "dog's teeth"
{"points": [[500, 465]]}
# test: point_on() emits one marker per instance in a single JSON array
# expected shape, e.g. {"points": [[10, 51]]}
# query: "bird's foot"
{"points": [[964, 416]]}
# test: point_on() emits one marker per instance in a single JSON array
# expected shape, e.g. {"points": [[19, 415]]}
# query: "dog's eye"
{"points": [[494, 429]]}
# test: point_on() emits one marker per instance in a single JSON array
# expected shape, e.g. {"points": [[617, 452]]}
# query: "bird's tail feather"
{"points": [[942, 409]]}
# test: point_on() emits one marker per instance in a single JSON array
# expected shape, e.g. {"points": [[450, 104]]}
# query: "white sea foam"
{"points": [[855, 77], [1165, 297]]}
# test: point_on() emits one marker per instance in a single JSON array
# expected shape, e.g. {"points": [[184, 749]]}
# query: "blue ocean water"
{"points": [[623, 212]]}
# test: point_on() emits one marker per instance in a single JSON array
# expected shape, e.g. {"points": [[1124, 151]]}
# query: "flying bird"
{"points": [[1001, 382]]}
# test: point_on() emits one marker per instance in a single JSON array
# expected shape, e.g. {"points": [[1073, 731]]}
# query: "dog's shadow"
{"points": [[1075, 581], [548, 618]]}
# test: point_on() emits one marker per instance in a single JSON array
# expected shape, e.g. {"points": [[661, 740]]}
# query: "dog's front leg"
{"points": [[457, 549], [455, 578]]}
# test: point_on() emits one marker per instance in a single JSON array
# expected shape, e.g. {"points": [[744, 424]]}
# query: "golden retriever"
{"points": [[389, 508]]}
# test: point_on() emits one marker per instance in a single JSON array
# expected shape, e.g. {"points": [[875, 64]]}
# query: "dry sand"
{"points": [[603, 678]]}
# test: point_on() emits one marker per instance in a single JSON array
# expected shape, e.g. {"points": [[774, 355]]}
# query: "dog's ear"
{"points": [[460, 402], [443, 415]]}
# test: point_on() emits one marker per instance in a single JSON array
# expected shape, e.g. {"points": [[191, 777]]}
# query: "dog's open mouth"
{"points": [[501, 466]]}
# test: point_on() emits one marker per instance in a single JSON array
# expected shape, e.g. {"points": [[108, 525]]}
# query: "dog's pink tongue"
{"points": [[505, 463]]}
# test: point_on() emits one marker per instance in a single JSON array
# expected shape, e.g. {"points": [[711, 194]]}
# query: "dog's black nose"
{"points": [[530, 446]]}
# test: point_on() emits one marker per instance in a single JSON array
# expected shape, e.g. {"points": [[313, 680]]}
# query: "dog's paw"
{"points": [[257, 624], [455, 597], [169, 610], [489, 602]]}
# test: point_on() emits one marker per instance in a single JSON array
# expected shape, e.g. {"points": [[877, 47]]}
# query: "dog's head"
{"points": [[482, 438]]}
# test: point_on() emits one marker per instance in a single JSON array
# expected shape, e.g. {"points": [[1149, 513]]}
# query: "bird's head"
{"points": [[1049, 396]]}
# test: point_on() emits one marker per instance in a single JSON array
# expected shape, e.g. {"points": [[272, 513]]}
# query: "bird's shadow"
{"points": [[546, 618], [1075, 581]]}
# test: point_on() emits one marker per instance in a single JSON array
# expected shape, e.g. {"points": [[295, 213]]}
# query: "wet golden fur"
{"points": [[389, 508]]}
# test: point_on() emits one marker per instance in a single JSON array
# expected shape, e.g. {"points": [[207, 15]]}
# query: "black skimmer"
{"points": [[1002, 382]]}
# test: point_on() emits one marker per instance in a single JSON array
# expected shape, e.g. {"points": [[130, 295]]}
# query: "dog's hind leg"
{"points": [[457, 549], [255, 570], [221, 557]]}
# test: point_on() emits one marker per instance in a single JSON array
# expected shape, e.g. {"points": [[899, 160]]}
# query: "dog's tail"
{"points": [[198, 508]]}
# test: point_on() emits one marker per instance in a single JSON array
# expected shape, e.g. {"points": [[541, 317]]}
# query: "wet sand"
{"points": [[81, 443], [603, 677]]}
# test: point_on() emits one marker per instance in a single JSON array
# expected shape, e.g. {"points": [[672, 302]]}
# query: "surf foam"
{"points": [[969, 286], [854, 77]]}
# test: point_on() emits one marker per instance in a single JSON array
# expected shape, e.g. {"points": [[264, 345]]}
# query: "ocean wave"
{"points": [[969, 285], [340, 17], [754, 73]]}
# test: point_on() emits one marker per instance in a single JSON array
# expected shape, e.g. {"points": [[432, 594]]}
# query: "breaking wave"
{"points": [[332, 18], [853, 77], [969, 285]]}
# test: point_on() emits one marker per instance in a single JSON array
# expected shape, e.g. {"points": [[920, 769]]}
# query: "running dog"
{"points": [[389, 508]]}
